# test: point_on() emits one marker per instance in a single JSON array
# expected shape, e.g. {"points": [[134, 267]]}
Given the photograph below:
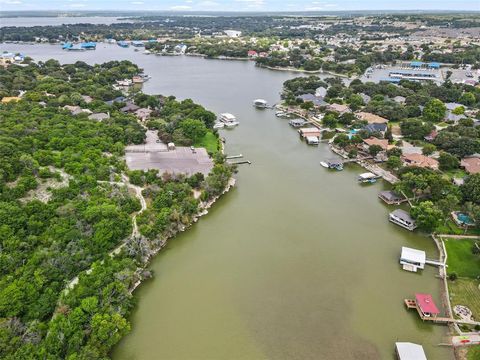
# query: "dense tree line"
{"points": [[63, 209]]}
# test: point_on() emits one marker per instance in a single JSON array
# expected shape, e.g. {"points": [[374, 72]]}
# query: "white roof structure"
{"points": [[367, 175], [413, 255], [410, 351], [228, 116]]}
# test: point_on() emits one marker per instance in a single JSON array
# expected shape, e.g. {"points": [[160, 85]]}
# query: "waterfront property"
{"points": [[409, 351], [296, 123], [367, 177], [391, 197], [425, 306], [312, 140], [412, 259], [403, 219], [304, 132]]}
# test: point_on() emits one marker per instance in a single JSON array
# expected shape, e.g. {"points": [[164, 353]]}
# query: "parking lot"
{"points": [[155, 155]]}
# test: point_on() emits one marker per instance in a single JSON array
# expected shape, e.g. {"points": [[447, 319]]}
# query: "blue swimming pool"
{"points": [[464, 218]]}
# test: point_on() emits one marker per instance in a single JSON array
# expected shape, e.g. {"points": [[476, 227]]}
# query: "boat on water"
{"points": [[297, 123], [335, 164], [324, 164], [123, 44], [260, 103], [367, 177], [219, 125], [281, 114], [229, 120], [125, 82]]}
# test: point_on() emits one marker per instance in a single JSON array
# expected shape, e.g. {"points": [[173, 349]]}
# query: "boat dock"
{"points": [[234, 157]]}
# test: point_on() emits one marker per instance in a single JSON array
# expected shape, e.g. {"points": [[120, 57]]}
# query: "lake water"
{"points": [[296, 262], [59, 20]]}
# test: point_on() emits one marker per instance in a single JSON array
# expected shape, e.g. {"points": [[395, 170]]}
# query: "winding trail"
{"points": [[135, 232]]}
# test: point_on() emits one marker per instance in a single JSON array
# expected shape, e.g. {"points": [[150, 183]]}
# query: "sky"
{"points": [[238, 5]]}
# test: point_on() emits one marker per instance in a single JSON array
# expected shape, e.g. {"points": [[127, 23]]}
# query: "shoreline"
{"points": [[203, 210]]}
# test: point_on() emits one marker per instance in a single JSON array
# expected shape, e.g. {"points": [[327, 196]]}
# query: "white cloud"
{"points": [[180, 7], [10, 2], [137, 3], [77, 5], [208, 4]]}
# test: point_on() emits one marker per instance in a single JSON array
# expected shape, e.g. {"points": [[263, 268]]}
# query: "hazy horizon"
{"points": [[235, 6]]}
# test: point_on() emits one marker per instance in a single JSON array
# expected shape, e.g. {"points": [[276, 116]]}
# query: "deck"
{"points": [[412, 304]]}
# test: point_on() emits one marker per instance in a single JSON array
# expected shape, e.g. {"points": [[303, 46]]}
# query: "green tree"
{"points": [[471, 189], [394, 162], [193, 129], [448, 161], [427, 215], [428, 149], [434, 111]]}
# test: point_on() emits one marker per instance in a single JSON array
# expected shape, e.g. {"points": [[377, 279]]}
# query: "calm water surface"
{"points": [[295, 263], [54, 21]]}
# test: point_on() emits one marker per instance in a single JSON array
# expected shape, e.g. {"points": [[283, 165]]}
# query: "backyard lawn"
{"points": [[461, 260], [466, 292], [209, 142]]}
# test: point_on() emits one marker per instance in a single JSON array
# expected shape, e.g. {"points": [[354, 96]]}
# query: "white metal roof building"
{"points": [[409, 351], [412, 259]]}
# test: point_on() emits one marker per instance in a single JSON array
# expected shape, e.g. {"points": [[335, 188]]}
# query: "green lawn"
{"points": [[209, 142], [461, 260], [473, 352], [466, 292]]}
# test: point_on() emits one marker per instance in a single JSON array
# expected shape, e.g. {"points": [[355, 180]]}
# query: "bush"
{"points": [[453, 276]]}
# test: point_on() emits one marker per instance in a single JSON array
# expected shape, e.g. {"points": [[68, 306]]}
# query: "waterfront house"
{"points": [[471, 164], [426, 307], [391, 197], [419, 160], [403, 219], [370, 118], [376, 128], [304, 132], [383, 143], [409, 351], [412, 259]]}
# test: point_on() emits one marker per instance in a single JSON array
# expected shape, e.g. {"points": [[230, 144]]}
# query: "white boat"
{"points": [[227, 117], [281, 114], [324, 164], [231, 124], [219, 125], [260, 103]]}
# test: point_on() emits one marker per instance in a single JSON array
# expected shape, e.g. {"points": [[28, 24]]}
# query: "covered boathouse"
{"points": [[409, 351], [403, 219]]}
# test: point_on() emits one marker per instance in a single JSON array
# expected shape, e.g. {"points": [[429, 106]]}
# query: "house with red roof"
{"points": [[252, 54]]}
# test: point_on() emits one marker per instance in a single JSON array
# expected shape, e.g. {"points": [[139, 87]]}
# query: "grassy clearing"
{"points": [[461, 260], [466, 292], [209, 142], [473, 352]]}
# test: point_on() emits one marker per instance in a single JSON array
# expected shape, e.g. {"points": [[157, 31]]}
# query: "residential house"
{"points": [[143, 113], [366, 98], [471, 164], [383, 143], [376, 128], [399, 99], [317, 101], [321, 92], [99, 116], [339, 108], [76, 110], [370, 118], [430, 137], [129, 108], [419, 160], [87, 99], [252, 54]]}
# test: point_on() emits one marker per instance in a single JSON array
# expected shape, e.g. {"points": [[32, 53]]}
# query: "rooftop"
{"points": [[410, 351], [426, 304], [413, 255]]}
